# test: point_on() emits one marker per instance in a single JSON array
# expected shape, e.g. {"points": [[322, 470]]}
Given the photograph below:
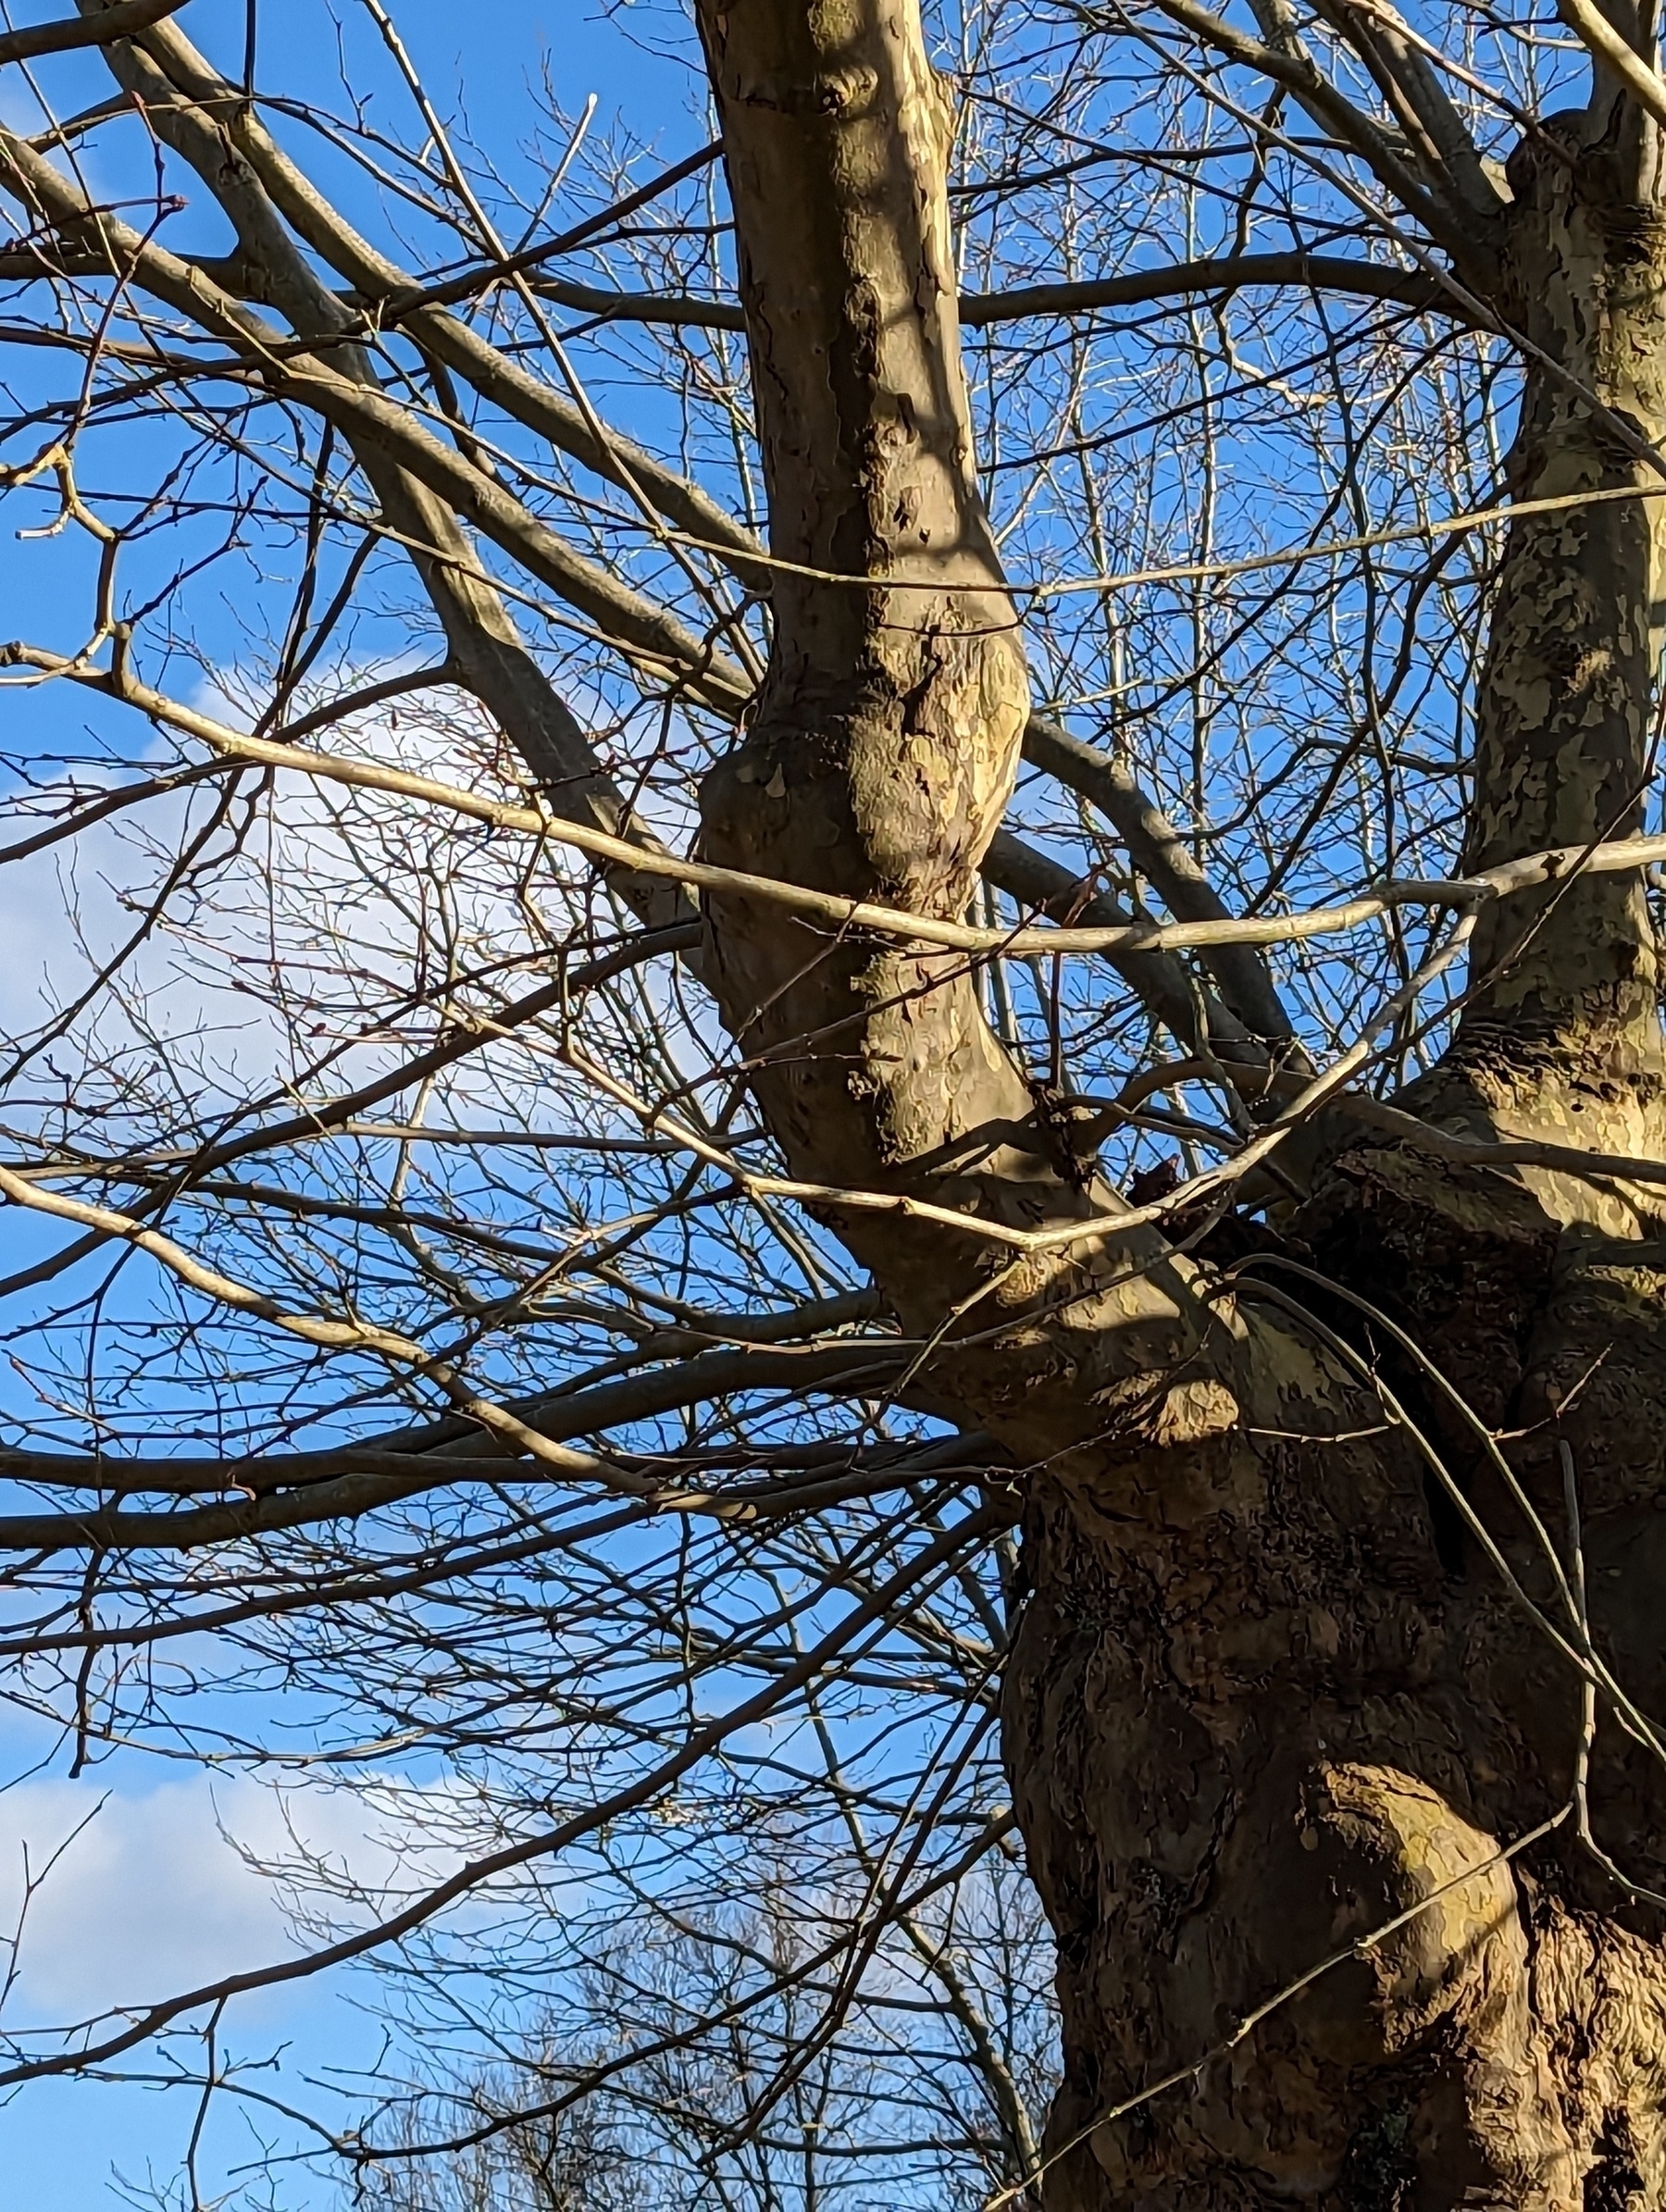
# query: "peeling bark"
{"points": [[880, 754], [1568, 978], [1267, 1692]]}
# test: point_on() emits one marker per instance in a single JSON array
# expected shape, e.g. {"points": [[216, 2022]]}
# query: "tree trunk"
{"points": [[1268, 1690]]}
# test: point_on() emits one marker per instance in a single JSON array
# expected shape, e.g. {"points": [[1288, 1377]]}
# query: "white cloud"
{"points": [[300, 937], [156, 1894]]}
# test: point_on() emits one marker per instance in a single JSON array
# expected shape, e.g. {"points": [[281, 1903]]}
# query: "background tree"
{"points": [[863, 963]]}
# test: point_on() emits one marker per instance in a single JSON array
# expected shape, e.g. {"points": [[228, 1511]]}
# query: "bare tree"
{"points": [[935, 827]]}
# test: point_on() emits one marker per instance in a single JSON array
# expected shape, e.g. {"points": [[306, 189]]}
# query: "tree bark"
{"points": [[1268, 1690]]}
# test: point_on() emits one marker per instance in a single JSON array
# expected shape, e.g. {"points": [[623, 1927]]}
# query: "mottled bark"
{"points": [[881, 752], [1246, 1729], [1267, 1692], [1566, 731]]}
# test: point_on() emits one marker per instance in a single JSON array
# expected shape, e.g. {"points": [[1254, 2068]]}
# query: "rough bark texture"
{"points": [[1568, 979], [1266, 1692], [881, 755]]}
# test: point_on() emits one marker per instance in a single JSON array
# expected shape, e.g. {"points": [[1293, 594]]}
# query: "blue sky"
{"points": [[152, 1897]]}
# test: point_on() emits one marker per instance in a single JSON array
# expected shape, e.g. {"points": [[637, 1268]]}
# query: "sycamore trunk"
{"points": [[1268, 1691]]}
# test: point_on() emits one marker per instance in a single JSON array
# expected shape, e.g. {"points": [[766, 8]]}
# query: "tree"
{"points": [[1326, 1662]]}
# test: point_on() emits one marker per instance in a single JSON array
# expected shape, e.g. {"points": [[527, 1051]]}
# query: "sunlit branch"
{"points": [[1623, 855], [122, 19], [1299, 73], [1616, 55]]}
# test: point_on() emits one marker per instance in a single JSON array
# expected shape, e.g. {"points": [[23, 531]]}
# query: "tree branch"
{"points": [[875, 1607], [1160, 981], [1296, 70], [1616, 55], [1209, 933], [1161, 855], [392, 296], [485, 647], [979, 311], [372, 1481], [1378, 34], [123, 20], [1231, 273]]}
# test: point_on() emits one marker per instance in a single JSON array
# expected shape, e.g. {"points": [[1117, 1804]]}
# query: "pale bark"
{"points": [[1267, 1694], [883, 749]]}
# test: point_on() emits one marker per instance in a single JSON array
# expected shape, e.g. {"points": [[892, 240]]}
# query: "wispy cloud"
{"points": [[161, 1891]]}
